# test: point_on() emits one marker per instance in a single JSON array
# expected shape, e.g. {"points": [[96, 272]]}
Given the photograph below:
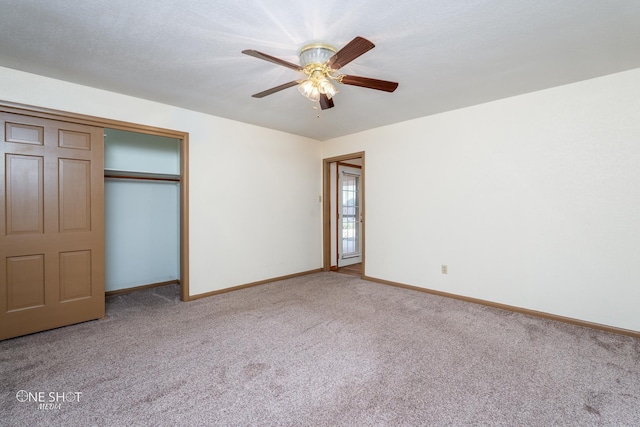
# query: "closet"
{"points": [[87, 205], [142, 210]]}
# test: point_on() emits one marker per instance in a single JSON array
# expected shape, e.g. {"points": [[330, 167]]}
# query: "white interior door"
{"points": [[349, 216]]}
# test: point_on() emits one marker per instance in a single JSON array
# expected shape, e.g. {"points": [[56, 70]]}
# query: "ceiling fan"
{"points": [[320, 63]]}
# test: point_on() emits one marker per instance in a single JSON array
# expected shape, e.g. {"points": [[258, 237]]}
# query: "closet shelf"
{"points": [[149, 176]]}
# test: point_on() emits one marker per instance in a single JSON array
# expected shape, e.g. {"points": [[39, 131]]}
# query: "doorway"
{"points": [[142, 211], [344, 214]]}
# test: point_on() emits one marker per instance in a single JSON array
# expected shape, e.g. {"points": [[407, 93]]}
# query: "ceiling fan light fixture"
{"points": [[317, 84], [320, 62], [326, 88], [309, 89]]}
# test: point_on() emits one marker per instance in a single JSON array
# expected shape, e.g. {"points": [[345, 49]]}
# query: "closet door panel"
{"points": [[51, 224], [25, 282], [22, 133], [74, 195], [24, 183], [73, 139], [75, 275]]}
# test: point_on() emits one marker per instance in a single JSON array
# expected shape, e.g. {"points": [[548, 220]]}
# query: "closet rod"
{"points": [[143, 178]]}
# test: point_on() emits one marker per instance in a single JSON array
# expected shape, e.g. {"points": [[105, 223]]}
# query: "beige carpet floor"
{"points": [[320, 350]]}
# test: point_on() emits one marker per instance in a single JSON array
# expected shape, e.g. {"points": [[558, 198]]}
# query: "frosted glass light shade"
{"points": [[325, 87], [309, 90], [316, 53]]}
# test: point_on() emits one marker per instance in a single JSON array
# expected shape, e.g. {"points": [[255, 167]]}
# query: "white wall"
{"points": [[531, 201], [139, 152], [141, 226], [254, 211]]}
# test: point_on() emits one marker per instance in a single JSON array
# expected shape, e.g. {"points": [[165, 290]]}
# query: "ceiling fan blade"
{"points": [[275, 89], [273, 59], [368, 83], [351, 51], [325, 102]]}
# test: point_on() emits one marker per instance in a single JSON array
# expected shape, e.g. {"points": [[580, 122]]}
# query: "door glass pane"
{"points": [[350, 215]]}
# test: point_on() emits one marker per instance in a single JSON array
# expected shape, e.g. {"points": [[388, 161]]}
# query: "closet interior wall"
{"points": [[142, 209]]}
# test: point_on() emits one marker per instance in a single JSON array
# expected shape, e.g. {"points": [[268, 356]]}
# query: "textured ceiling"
{"points": [[445, 54]]}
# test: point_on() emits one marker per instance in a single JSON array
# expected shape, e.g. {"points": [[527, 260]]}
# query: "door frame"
{"points": [[326, 207], [183, 137]]}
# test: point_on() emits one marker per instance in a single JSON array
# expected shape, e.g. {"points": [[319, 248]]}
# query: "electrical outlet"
{"points": [[444, 269]]}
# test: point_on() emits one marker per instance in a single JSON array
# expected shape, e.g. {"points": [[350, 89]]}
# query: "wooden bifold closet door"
{"points": [[51, 224]]}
